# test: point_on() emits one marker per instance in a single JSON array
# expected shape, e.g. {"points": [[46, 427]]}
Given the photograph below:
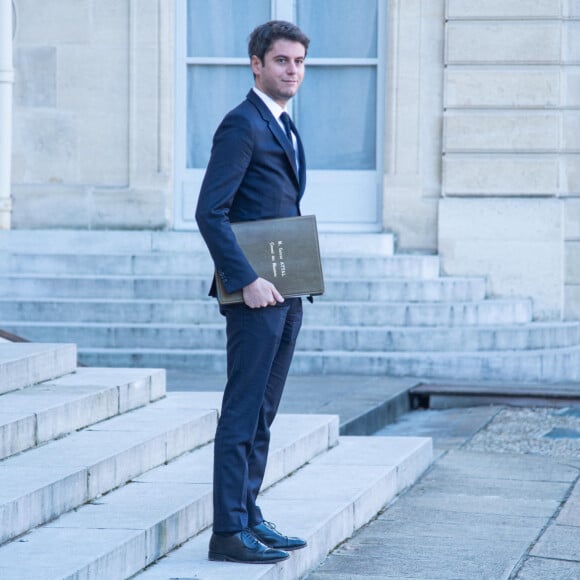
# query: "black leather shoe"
{"points": [[267, 533], [243, 547]]}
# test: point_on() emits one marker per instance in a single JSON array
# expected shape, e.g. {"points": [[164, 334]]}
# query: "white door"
{"points": [[338, 111]]}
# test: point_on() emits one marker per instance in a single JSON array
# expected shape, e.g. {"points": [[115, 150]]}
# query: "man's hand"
{"points": [[261, 293]]}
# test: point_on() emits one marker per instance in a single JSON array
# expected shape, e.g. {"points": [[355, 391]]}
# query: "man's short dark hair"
{"points": [[265, 35]]}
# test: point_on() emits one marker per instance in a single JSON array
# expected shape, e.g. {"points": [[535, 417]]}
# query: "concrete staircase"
{"points": [[139, 299], [103, 475]]}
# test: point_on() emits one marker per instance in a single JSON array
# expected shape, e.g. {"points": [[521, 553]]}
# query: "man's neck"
{"points": [[275, 108]]}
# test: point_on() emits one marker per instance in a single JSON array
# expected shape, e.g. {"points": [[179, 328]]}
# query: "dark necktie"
{"points": [[285, 118], [299, 153]]}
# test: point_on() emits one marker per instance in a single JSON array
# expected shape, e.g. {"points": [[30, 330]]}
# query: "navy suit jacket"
{"points": [[251, 175]]}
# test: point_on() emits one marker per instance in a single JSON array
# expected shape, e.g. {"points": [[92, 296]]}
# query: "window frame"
{"points": [[323, 182]]}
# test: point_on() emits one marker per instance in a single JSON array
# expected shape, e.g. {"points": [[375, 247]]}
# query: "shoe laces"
{"points": [[273, 527], [250, 539], [270, 525]]}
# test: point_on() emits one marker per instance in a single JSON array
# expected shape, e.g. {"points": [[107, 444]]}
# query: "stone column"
{"points": [[6, 83]]}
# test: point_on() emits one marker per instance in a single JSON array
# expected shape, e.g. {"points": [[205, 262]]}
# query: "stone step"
{"points": [[97, 242], [325, 313], [367, 313], [24, 364], [337, 492], [405, 290], [139, 242], [535, 335], [36, 415], [549, 365], [199, 264], [116, 537], [186, 287], [530, 336], [43, 483]]}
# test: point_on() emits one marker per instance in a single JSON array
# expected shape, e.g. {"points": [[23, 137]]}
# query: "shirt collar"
{"points": [[272, 105]]}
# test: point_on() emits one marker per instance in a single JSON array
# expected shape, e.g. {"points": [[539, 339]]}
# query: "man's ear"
{"points": [[256, 64]]}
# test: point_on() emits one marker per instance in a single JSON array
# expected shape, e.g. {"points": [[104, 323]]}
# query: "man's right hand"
{"points": [[261, 293]]}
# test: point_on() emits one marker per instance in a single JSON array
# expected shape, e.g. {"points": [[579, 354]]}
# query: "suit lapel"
{"points": [[282, 139]]}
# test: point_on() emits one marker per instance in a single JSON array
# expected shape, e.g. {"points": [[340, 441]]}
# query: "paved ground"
{"points": [[501, 500], [364, 404]]}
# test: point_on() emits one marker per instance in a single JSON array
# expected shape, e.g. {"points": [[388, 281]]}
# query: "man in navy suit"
{"points": [[256, 171]]}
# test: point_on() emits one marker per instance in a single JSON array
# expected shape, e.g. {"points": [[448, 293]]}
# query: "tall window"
{"points": [[338, 109]]}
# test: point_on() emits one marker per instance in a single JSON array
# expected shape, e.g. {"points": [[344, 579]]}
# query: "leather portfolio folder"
{"points": [[284, 251]]}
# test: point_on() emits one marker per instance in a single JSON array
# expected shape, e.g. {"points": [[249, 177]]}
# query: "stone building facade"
{"points": [[477, 119]]}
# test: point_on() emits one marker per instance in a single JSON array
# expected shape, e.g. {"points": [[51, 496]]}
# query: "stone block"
{"points": [[25, 364], [519, 244], [136, 393], [17, 432], [111, 24], [83, 242], [54, 492], [503, 42], [571, 131], [171, 517], [50, 206], [64, 206], [535, 567], [572, 8], [299, 437], [571, 44], [196, 467], [570, 514], [571, 175], [542, 470], [93, 82], [129, 209], [571, 84], [502, 131], [410, 213], [200, 429], [409, 455], [513, 175], [103, 150], [110, 469], [45, 147], [572, 219], [109, 553], [157, 386], [52, 409], [333, 482], [357, 244], [504, 87], [573, 262], [524, 9], [54, 22], [572, 302], [66, 416], [559, 542], [35, 76]]}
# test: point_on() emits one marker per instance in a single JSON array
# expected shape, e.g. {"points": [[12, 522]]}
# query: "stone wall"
{"points": [[92, 114], [511, 148]]}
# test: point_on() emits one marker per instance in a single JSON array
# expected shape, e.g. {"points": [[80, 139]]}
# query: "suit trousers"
{"points": [[260, 346]]}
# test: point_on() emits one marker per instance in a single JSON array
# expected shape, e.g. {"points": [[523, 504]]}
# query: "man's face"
{"points": [[282, 71]]}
